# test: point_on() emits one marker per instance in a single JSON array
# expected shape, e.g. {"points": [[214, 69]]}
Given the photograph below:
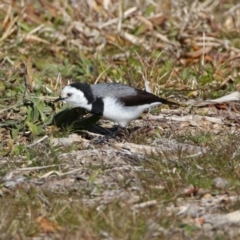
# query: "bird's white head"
{"points": [[75, 97]]}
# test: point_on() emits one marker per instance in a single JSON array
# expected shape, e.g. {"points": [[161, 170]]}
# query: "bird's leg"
{"points": [[116, 131], [108, 136]]}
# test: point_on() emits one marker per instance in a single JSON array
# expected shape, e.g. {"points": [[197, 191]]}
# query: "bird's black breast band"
{"points": [[98, 107]]}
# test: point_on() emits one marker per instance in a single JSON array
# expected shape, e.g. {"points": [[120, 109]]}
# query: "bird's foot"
{"points": [[111, 134], [116, 132]]}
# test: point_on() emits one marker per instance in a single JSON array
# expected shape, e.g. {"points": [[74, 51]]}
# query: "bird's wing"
{"points": [[127, 95], [112, 90], [141, 98]]}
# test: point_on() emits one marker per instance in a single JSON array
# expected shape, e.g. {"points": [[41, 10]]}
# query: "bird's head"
{"points": [[73, 96]]}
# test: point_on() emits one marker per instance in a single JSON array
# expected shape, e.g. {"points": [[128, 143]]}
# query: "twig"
{"points": [[38, 141]]}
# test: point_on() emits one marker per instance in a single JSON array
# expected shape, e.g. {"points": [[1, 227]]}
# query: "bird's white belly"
{"points": [[115, 111]]}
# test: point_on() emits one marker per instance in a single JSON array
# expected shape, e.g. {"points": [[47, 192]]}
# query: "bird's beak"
{"points": [[58, 99]]}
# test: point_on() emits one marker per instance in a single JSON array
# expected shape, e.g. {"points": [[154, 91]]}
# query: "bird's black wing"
{"points": [[141, 98]]}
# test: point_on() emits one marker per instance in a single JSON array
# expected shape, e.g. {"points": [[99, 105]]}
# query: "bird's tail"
{"points": [[171, 102]]}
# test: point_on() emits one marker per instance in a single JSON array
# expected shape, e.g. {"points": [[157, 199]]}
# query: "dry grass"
{"points": [[138, 185]]}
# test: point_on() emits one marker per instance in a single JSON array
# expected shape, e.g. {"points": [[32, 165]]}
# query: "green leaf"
{"points": [[14, 132], [94, 175], [32, 128], [10, 123]]}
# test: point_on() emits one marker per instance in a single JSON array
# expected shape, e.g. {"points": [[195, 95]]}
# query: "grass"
{"points": [[87, 191]]}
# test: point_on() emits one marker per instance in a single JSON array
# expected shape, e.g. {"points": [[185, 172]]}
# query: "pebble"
{"points": [[220, 183], [207, 226], [207, 196], [220, 233]]}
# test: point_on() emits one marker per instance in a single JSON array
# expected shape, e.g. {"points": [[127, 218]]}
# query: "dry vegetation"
{"points": [[173, 174]]}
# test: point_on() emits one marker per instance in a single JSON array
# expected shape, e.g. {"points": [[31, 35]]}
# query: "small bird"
{"points": [[116, 102]]}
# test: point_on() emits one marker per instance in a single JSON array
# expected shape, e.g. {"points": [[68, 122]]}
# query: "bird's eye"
{"points": [[69, 94]]}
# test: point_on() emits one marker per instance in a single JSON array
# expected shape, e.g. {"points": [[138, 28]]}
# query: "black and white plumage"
{"points": [[116, 102]]}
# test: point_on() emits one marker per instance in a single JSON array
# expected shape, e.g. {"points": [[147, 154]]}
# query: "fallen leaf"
{"points": [[48, 226], [199, 220]]}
